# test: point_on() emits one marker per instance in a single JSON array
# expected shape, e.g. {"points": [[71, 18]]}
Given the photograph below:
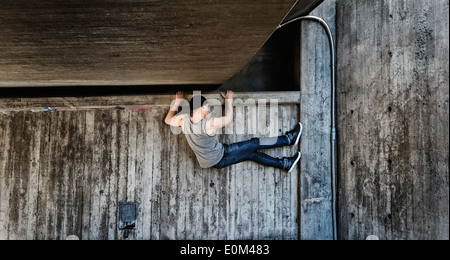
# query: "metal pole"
{"points": [[333, 112]]}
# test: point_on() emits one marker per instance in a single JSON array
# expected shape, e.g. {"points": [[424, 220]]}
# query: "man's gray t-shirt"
{"points": [[208, 149]]}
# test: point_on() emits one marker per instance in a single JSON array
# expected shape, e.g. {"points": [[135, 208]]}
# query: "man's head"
{"points": [[199, 103]]}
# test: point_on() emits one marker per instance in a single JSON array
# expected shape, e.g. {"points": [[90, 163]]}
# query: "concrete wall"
{"points": [[393, 95], [315, 101], [64, 173]]}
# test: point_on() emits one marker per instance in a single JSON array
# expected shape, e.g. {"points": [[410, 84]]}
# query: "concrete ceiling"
{"points": [[134, 42]]}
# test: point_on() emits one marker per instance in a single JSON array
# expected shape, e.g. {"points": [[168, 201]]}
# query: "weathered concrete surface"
{"points": [[315, 101], [393, 81], [64, 173]]}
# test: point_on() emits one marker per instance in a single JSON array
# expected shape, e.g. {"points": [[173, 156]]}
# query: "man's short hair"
{"points": [[197, 102]]}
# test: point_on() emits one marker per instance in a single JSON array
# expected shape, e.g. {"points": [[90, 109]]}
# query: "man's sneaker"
{"points": [[291, 162], [295, 134]]}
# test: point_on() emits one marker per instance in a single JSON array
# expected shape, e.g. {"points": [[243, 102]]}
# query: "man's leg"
{"points": [[284, 163], [273, 142], [290, 138], [247, 150], [269, 161], [255, 144]]}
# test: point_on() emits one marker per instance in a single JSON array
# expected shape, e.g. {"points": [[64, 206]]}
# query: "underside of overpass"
{"points": [[143, 44]]}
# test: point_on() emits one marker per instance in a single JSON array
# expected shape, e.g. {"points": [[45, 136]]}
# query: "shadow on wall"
{"points": [[274, 68]]}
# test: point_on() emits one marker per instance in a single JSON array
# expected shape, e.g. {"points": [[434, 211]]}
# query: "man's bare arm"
{"points": [[171, 118], [221, 122], [228, 109]]}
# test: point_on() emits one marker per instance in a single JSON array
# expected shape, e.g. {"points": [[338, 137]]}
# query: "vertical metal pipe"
{"points": [[333, 112]]}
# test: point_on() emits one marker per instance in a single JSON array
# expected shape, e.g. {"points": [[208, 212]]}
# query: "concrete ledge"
{"points": [[135, 102]]}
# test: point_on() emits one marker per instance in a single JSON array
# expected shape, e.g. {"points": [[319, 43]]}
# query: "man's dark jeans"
{"points": [[248, 151]]}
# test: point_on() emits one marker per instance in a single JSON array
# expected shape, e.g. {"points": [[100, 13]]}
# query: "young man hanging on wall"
{"points": [[201, 135]]}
